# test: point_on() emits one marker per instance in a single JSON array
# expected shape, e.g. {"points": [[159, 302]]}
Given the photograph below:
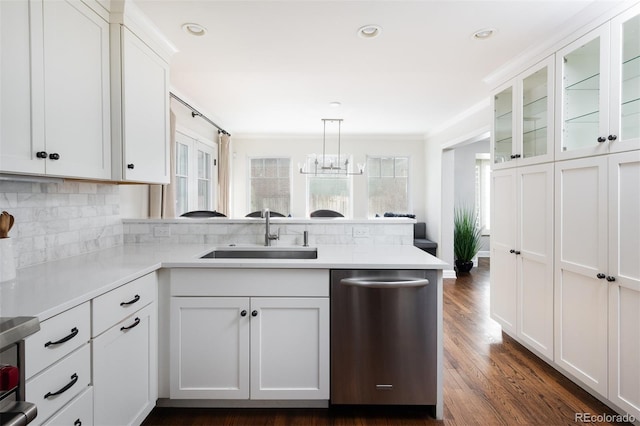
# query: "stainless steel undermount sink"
{"points": [[262, 253]]}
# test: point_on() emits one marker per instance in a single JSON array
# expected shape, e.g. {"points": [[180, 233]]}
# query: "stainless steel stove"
{"points": [[14, 410]]}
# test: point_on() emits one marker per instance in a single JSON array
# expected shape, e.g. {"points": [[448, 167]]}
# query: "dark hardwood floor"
{"points": [[489, 379]]}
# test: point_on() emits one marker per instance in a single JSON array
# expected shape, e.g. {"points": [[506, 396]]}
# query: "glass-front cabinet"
{"points": [[503, 126], [625, 80], [522, 130], [599, 89]]}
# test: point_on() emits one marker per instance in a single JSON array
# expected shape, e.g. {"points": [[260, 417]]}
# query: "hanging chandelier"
{"points": [[327, 165]]}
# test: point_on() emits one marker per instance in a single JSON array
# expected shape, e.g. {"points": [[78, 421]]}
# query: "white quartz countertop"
{"points": [[47, 289]]}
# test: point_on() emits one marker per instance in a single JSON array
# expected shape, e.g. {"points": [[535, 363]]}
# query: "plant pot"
{"points": [[464, 265]]}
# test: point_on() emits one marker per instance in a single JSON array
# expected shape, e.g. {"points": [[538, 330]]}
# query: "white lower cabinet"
{"points": [[210, 347], [624, 292], [58, 364], [57, 385], [597, 277], [250, 348], [581, 265], [522, 255], [249, 334], [289, 348], [125, 366], [78, 412]]}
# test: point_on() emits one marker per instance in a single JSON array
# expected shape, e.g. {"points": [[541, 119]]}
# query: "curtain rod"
{"points": [[196, 113]]}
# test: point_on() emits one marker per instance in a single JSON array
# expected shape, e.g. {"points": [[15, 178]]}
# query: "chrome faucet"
{"points": [[268, 236]]}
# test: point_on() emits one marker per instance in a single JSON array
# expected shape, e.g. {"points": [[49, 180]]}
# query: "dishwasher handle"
{"points": [[385, 282]]}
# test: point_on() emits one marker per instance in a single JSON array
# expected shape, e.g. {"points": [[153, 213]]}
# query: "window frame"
{"points": [[249, 177], [409, 180], [310, 159], [194, 144]]}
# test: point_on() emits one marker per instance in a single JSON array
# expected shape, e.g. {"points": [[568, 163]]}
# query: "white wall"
{"points": [[465, 177], [298, 147], [439, 199]]}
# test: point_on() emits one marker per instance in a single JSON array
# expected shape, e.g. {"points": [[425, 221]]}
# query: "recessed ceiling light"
{"points": [[194, 29], [484, 33], [370, 31], [335, 104]]}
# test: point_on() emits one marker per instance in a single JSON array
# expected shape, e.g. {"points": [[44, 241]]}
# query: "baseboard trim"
{"points": [[244, 403], [449, 273]]}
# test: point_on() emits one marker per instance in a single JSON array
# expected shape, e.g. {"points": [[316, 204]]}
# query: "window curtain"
{"points": [[223, 174], [162, 198]]}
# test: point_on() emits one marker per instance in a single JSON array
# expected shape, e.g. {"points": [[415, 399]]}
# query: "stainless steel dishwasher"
{"points": [[384, 337]]}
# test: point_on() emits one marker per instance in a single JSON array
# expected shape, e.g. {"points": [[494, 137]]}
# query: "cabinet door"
{"points": [[535, 261], [624, 294], [145, 112], [583, 109], [537, 114], [503, 244], [76, 90], [625, 81], [581, 259], [17, 145], [209, 348], [503, 128], [290, 348], [125, 370]]}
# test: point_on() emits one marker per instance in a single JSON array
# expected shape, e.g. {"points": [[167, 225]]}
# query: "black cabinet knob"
{"points": [[611, 279], [243, 313], [512, 156], [517, 252], [54, 156], [254, 313], [130, 166], [517, 156], [612, 137], [602, 139], [601, 276], [41, 154], [512, 251]]}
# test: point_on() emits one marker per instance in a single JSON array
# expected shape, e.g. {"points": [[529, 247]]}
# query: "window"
{"points": [[328, 191], [195, 174], [388, 183], [270, 184], [483, 188]]}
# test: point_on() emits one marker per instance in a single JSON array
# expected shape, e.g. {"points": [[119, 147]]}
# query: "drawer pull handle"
{"points": [[74, 379], [74, 333], [135, 322], [131, 302], [77, 423]]}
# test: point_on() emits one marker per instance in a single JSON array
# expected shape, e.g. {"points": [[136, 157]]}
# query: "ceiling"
{"points": [[272, 67]]}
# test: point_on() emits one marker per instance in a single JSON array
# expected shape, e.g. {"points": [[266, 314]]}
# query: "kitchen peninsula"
{"points": [[120, 301]]}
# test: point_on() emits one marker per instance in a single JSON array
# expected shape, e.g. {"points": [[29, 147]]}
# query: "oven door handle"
{"points": [[74, 379]]}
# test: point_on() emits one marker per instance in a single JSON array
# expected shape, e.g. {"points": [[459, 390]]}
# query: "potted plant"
{"points": [[466, 237]]}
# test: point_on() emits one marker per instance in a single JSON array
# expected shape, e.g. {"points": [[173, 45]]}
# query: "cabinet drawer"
{"points": [[66, 379], [58, 337], [116, 305], [77, 412]]}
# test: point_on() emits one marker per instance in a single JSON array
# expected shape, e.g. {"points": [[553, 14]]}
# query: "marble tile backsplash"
{"points": [[57, 220], [224, 233]]}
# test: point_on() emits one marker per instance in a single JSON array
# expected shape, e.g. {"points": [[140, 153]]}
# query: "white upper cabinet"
{"points": [[625, 81], [523, 118], [140, 93], [17, 145], [599, 89], [55, 90], [76, 90]]}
